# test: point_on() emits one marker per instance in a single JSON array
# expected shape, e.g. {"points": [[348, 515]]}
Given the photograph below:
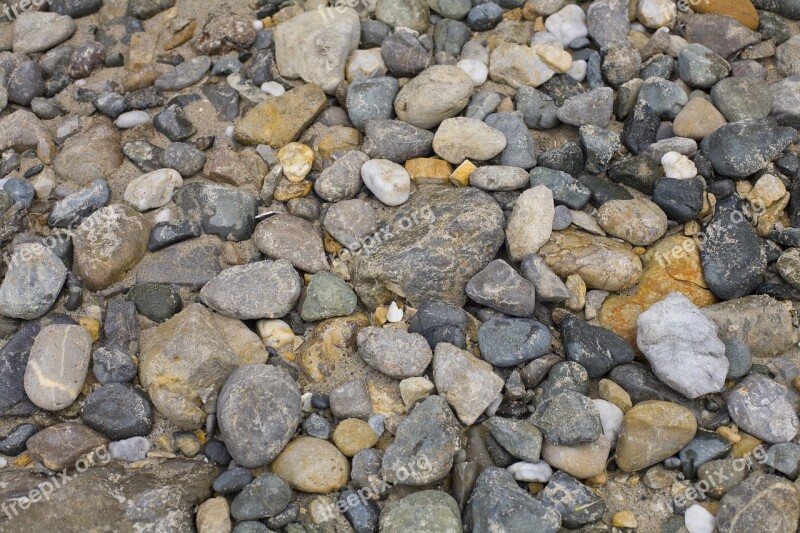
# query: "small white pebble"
{"points": [[578, 70], [80, 83], [129, 450], [163, 215], [698, 520], [258, 25], [3, 462], [475, 69], [229, 131], [388, 181], [610, 418], [394, 314], [272, 88], [492, 409], [131, 119], [678, 166], [305, 400], [538, 472]]}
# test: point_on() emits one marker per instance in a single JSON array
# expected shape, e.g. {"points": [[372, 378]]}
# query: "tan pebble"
{"points": [[598, 480], [624, 519], [745, 446], [506, 105], [296, 160], [213, 516], [429, 170], [535, 488], [729, 434], [639, 250], [380, 315], [353, 435], [513, 14], [611, 392], [286, 190], [796, 383], [92, 326], [577, 287], [460, 176], [180, 37], [691, 228]]}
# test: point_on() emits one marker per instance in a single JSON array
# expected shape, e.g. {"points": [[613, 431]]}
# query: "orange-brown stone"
{"points": [[741, 10]]}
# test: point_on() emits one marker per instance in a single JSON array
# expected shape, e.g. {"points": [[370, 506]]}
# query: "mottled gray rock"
{"points": [[771, 505], [394, 352], [33, 282], [568, 418], [342, 180], [371, 99], [396, 141], [294, 239], [427, 510], [763, 408], [327, 296], [594, 107], [500, 287], [507, 342]]}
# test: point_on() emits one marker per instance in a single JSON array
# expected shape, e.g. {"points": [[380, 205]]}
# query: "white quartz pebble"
{"points": [[153, 189], [388, 181], [272, 88], [567, 24], [131, 119], [678, 166], [698, 520], [475, 69], [610, 419], [538, 472], [394, 314]]}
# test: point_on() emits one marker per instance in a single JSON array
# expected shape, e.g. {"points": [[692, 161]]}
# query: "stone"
{"points": [[507, 342], [531, 221], [521, 439], [152, 190], [56, 369], [518, 66], [601, 262], [538, 109], [701, 67], [567, 24], [264, 497], [746, 319], [426, 510], [576, 503], [763, 408], [32, 283], [404, 54], [38, 32], [549, 287], [396, 141], [371, 99], [280, 120], [739, 149], [107, 244], [327, 296], [312, 465], [440, 322], [607, 21], [184, 75], [566, 189], [118, 411], [498, 178], [353, 435], [466, 225], [411, 14], [520, 149], [461, 138], [467, 383], [651, 432], [639, 222], [341, 180], [568, 418], [60, 446], [294, 239], [698, 119], [388, 181], [500, 287], [94, 153], [438, 93], [594, 107], [396, 353], [213, 515], [258, 412], [223, 33], [497, 502], [771, 501], [73, 208], [129, 450], [680, 199], [596, 349], [740, 98]]}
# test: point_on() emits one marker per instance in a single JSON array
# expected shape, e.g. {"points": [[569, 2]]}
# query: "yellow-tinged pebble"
{"points": [[23, 460], [380, 315], [201, 436], [712, 506], [429, 170], [538, 24], [296, 160], [164, 442], [92, 326], [554, 57], [506, 105], [598, 480], [745, 447], [730, 435], [639, 250], [796, 383], [287, 190], [634, 480], [624, 519], [535, 488], [460, 176]]}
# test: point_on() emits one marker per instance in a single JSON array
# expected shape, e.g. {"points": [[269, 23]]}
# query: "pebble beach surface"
{"points": [[400, 266]]}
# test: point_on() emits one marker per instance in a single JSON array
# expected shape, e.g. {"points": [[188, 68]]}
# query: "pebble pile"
{"points": [[400, 266]]}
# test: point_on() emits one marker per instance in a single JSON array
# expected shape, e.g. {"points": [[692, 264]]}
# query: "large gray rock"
{"points": [[786, 101], [431, 247], [57, 366], [763, 503], [426, 510], [33, 282], [438, 93], [267, 289], [739, 149], [394, 352], [763, 408], [315, 45], [258, 412], [682, 346], [294, 239], [38, 32]]}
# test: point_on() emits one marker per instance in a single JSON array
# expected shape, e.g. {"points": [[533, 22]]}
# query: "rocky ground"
{"points": [[400, 266]]}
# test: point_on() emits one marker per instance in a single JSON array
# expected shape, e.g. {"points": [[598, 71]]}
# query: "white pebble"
{"points": [[3, 462], [153, 189], [229, 132], [258, 25], [131, 119], [272, 88], [678, 166], [274, 333], [698, 520], [163, 215], [475, 69], [129, 450], [305, 401], [656, 13], [610, 419], [567, 24], [394, 314], [538, 472], [475, 50], [388, 181], [578, 70], [44, 184], [492, 409]]}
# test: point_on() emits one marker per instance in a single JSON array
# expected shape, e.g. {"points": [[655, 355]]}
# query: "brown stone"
{"points": [[741, 10], [653, 431], [672, 265], [312, 465], [429, 170], [353, 435], [281, 120], [581, 461], [698, 119], [62, 445], [331, 341], [180, 37]]}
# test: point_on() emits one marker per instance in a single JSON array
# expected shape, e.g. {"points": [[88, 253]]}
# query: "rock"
{"points": [[280, 120], [388, 181], [607, 21], [118, 411], [33, 282], [639, 221], [341, 180], [742, 148], [466, 226], [733, 257], [184, 158], [698, 119], [394, 352], [653, 431], [102, 255], [371, 99], [531, 221], [223, 33], [600, 262], [785, 94], [396, 141], [701, 67], [14, 443], [353, 435], [183, 361], [25, 83], [596, 349], [507, 342], [184, 75], [520, 150], [327, 296], [438, 93], [786, 59], [566, 189], [426, 510], [312, 465], [549, 287], [582, 461], [213, 515], [521, 439], [498, 178], [264, 497], [351, 400], [721, 33], [763, 408], [746, 319], [461, 138], [703, 365], [258, 412], [404, 54], [129, 450], [440, 322], [771, 502], [681, 200], [497, 502], [90, 155], [500, 287], [153, 190], [568, 418], [576, 503], [411, 14], [538, 109], [293, 239], [740, 98], [315, 45], [467, 383], [266, 289], [518, 66], [594, 107], [38, 32], [73, 208], [56, 369], [61, 446]]}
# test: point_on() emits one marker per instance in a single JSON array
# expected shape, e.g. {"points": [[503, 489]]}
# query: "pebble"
{"points": [[594, 107], [265, 496], [153, 190], [762, 408], [680, 199], [388, 181], [531, 221], [118, 411], [341, 180], [597, 349], [213, 515], [518, 66], [429, 509], [404, 55], [232, 481], [475, 69], [440, 322], [396, 141], [458, 139], [32, 283], [371, 99], [538, 472], [351, 400], [771, 500], [566, 189], [438, 93], [327, 296], [520, 149], [294, 239], [129, 450], [393, 352], [549, 287], [639, 222], [698, 119], [312, 465], [61, 445], [38, 32], [411, 14], [576, 502], [507, 342], [59, 359]]}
